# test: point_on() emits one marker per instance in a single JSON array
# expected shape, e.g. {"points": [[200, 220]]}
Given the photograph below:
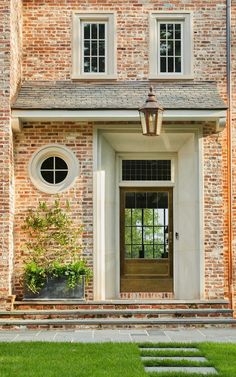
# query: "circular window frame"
{"points": [[53, 150]]}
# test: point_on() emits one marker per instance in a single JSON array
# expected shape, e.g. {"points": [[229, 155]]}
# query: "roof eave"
{"points": [[117, 115]]}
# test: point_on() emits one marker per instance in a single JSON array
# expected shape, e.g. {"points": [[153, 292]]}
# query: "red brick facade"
{"points": [[9, 79], [77, 137], [233, 150], [45, 27]]}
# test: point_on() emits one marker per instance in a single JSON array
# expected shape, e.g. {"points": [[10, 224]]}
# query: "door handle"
{"points": [[169, 238]]}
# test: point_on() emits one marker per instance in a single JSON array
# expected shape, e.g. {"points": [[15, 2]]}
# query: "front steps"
{"points": [[117, 314]]}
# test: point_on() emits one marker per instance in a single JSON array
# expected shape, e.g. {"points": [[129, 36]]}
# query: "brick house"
{"points": [[73, 76]]}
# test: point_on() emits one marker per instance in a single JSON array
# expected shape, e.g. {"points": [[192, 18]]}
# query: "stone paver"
{"points": [[156, 332], [175, 358], [186, 335], [227, 335], [150, 339], [197, 370], [172, 360], [169, 349]]}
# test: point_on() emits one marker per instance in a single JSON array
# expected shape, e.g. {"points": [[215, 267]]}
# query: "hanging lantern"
{"points": [[151, 115]]}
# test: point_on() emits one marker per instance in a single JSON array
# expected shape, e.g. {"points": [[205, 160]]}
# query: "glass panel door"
{"points": [[146, 231], [146, 225]]}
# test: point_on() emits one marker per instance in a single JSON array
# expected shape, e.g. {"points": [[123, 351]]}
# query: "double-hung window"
{"points": [[94, 46], [170, 45], [170, 51]]}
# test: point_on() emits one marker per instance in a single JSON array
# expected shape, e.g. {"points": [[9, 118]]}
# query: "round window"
{"points": [[53, 168]]}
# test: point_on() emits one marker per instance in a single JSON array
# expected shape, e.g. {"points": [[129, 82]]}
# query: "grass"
{"points": [[70, 360], [170, 353], [102, 360]]}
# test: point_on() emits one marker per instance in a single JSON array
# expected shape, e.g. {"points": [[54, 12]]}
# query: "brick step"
{"points": [[111, 313], [114, 322], [121, 304]]}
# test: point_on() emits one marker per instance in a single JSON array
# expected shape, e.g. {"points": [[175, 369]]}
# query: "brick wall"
{"points": [[77, 137], [48, 34], [4, 149], [16, 45], [233, 125], [9, 11], [214, 218]]}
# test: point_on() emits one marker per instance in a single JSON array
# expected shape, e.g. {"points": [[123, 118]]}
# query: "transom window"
{"points": [[54, 170], [170, 47], [146, 170], [94, 47]]}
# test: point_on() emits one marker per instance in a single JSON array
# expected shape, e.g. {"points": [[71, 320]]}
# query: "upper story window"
{"points": [[170, 54], [170, 46], [94, 46]]}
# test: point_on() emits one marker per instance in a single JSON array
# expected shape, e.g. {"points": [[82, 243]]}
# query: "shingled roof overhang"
{"points": [[115, 101]]}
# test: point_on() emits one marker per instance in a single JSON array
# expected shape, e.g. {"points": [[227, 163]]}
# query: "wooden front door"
{"points": [[146, 224]]}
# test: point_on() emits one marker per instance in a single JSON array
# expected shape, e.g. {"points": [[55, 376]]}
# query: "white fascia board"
{"points": [[113, 115]]}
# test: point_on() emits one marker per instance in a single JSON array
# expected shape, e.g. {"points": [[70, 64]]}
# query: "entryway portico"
{"points": [[181, 270]]}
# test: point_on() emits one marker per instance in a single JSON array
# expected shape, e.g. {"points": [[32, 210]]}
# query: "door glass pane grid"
{"points": [[94, 47], [170, 47], [146, 170], [146, 227]]}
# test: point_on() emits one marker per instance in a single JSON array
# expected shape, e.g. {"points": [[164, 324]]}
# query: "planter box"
{"points": [[55, 289]]}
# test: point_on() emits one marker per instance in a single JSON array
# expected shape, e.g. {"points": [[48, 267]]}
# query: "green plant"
{"points": [[35, 276], [53, 246], [73, 272]]}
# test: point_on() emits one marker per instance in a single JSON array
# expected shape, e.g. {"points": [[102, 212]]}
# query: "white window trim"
{"points": [[77, 69], [48, 151], [187, 45]]}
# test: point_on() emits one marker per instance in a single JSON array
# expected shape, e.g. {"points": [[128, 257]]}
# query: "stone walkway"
{"points": [[199, 364], [123, 335]]}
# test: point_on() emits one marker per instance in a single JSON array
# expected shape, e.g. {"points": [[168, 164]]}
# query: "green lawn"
{"points": [[98, 360]]}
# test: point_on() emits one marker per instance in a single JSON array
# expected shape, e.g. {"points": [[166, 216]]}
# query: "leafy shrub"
{"points": [[53, 246]]}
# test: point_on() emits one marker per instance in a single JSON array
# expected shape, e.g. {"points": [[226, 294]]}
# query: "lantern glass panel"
{"points": [[143, 122], [159, 122], [152, 122]]}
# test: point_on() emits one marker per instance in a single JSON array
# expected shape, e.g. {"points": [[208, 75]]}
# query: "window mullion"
{"points": [[106, 48], [174, 48], [82, 47], [182, 46], [54, 170], [167, 55]]}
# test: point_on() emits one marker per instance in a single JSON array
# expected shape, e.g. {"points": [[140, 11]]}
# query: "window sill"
{"points": [[94, 77], [172, 77]]}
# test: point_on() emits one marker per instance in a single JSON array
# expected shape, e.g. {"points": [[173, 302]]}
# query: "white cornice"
{"points": [[116, 115]]}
